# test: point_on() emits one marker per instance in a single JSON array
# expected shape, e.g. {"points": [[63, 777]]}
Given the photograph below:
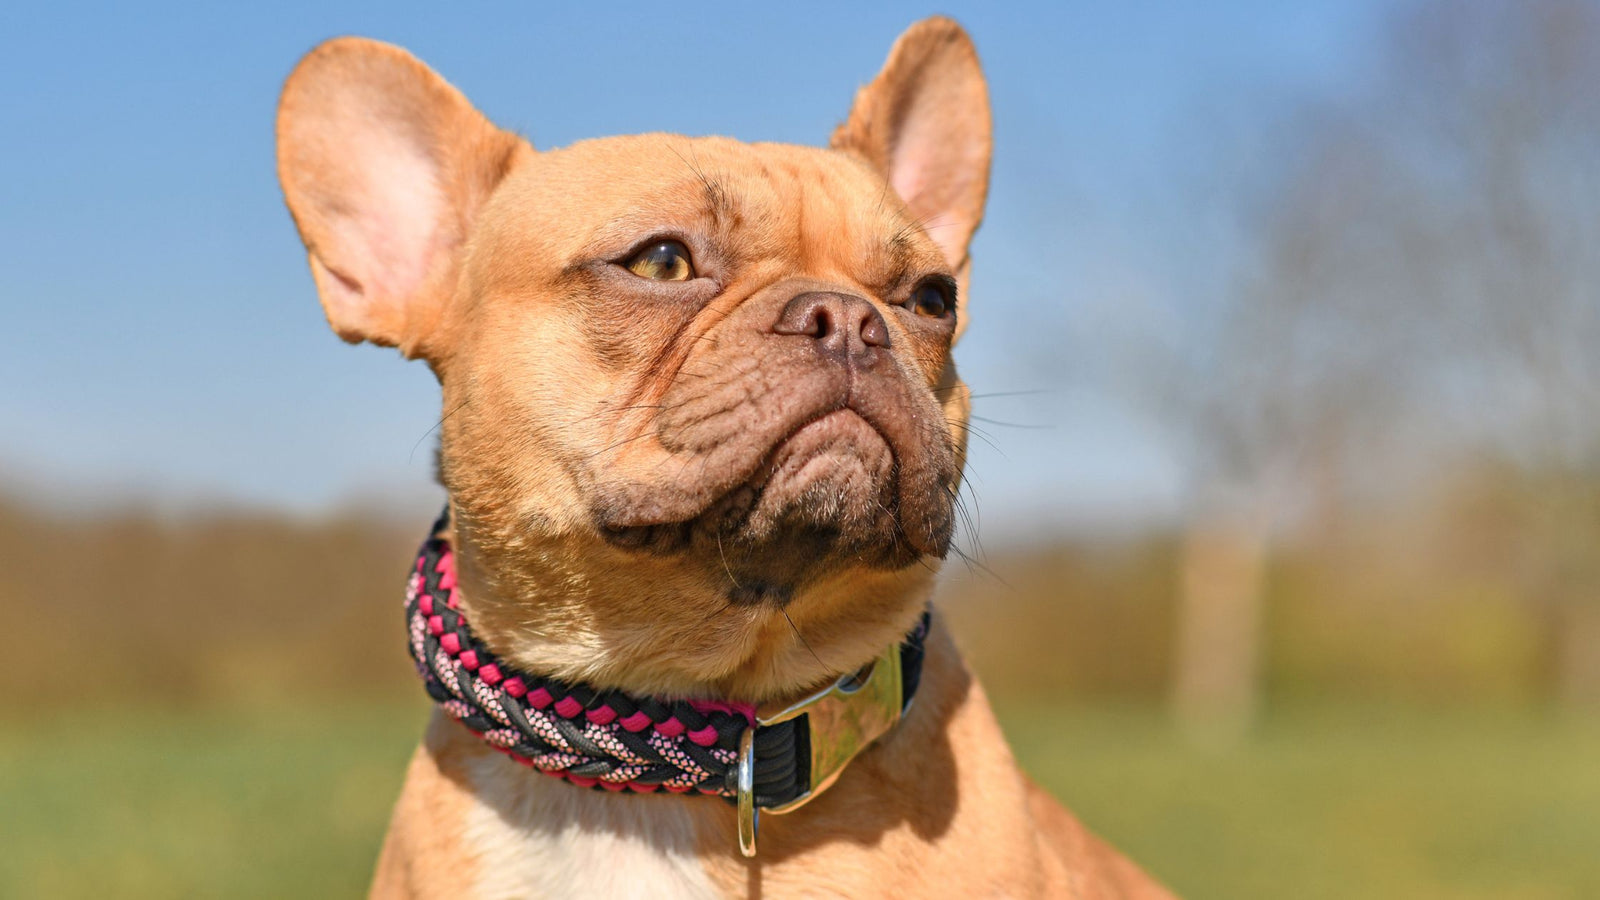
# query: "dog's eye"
{"points": [[934, 299], [663, 261]]}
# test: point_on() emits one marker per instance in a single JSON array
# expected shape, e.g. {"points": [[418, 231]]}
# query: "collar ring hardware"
{"points": [[843, 719], [749, 815]]}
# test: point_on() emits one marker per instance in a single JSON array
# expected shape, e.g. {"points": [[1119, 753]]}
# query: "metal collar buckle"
{"points": [[844, 719]]}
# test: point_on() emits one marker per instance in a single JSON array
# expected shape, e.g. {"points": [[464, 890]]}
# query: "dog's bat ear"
{"points": [[384, 165], [923, 122]]}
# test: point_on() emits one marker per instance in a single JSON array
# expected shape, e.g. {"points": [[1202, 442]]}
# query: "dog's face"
{"points": [[691, 387]]}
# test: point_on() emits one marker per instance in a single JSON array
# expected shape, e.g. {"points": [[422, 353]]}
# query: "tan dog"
{"points": [[702, 437]]}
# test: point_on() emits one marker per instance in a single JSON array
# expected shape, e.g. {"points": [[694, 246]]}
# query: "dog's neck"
{"points": [[644, 625], [604, 737]]}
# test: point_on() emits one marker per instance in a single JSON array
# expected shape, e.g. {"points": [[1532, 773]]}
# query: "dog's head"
{"points": [[694, 390]]}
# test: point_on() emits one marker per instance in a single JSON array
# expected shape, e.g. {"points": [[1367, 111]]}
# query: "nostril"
{"points": [[874, 333], [823, 322]]}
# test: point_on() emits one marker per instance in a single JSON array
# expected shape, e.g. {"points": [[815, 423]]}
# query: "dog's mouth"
{"points": [[832, 485], [837, 470]]}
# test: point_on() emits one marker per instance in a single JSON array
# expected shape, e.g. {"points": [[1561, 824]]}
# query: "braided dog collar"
{"points": [[608, 740]]}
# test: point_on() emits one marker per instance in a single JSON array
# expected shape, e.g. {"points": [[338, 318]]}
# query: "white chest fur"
{"points": [[539, 837]]}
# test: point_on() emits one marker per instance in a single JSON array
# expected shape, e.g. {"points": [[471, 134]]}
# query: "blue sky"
{"points": [[164, 334]]}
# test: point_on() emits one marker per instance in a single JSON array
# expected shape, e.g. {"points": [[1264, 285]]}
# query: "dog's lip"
{"points": [[843, 412], [763, 470], [770, 461]]}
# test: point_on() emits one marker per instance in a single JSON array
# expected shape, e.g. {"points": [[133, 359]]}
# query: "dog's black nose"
{"points": [[846, 327]]}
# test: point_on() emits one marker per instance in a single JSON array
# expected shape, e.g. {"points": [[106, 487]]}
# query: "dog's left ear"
{"points": [[924, 124]]}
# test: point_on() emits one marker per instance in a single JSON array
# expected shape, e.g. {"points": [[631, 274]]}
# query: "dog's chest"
{"points": [[539, 837]]}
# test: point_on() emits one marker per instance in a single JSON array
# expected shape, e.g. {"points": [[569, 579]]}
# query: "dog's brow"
{"points": [[657, 212], [900, 250], [718, 202], [903, 241]]}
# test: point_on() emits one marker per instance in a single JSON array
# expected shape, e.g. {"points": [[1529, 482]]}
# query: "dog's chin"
{"points": [[828, 495]]}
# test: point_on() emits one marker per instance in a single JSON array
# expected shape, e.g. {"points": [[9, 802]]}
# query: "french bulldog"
{"points": [[701, 438]]}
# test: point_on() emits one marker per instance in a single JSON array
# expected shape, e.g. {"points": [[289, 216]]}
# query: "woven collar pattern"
{"points": [[606, 740]]}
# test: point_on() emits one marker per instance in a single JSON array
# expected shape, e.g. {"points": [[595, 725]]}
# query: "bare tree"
{"points": [[1424, 278], [1493, 127]]}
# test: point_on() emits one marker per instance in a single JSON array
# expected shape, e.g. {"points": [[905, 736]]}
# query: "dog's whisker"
{"points": [[969, 528], [608, 448], [802, 638], [996, 394], [978, 433], [972, 563], [436, 426], [1001, 424], [725, 567]]}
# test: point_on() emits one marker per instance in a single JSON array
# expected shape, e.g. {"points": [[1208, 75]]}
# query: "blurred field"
{"points": [[1330, 803], [1337, 802], [219, 704]]}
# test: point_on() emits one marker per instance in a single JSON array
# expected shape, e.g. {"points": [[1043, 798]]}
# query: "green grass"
{"points": [[285, 804], [1327, 804], [1338, 803]]}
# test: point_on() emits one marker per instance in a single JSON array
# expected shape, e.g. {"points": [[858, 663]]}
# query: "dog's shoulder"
{"points": [[426, 852], [1076, 856]]}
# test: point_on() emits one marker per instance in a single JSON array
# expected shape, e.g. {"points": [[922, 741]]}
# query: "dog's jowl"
{"points": [[702, 441]]}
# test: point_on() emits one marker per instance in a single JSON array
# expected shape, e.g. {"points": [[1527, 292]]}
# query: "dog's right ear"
{"points": [[384, 165], [923, 123]]}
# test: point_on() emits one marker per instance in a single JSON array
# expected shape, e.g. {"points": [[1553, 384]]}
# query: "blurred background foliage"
{"points": [[1362, 658]]}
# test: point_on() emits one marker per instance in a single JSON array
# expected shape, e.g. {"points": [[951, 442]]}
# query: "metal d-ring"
{"points": [[749, 815], [842, 719]]}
